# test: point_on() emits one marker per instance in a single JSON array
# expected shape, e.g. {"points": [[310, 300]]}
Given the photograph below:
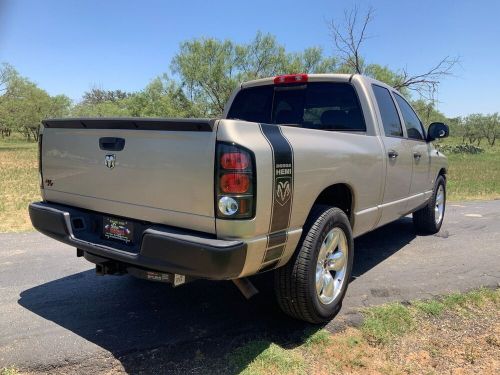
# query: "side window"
{"points": [[388, 112], [332, 106], [412, 123]]}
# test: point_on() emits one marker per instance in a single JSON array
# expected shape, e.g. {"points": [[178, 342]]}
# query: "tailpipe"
{"points": [[246, 287]]}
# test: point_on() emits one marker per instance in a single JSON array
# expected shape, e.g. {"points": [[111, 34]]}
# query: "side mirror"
{"points": [[437, 130]]}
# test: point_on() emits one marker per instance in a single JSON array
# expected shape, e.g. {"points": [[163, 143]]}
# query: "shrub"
{"points": [[460, 149]]}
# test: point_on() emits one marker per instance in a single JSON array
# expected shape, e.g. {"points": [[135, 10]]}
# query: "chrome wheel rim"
{"points": [[331, 267], [439, 206]]}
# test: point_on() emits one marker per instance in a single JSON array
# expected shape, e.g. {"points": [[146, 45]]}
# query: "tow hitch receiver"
{"points": [[105, 266]]}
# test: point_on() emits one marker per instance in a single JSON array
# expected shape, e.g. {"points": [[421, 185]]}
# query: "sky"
{"points": [[70, 46]]}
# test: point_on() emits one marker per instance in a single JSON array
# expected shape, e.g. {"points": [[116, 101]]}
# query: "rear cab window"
{"points": [[330, 106]]}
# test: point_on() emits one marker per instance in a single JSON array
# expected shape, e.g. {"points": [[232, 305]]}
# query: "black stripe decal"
{"points": [[276, 238], [282, 192], [269, 266]]}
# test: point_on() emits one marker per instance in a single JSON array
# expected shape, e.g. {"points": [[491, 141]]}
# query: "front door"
{"points": [[421, 181]]}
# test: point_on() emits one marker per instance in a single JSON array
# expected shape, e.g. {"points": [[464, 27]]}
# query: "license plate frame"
{"points": [[119, 230]]}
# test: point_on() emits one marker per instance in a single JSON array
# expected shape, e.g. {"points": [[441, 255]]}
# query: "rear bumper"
{"points": [[161, 248]]}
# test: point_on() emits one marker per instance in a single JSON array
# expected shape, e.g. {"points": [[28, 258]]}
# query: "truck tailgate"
{"points": [[163, 174]]}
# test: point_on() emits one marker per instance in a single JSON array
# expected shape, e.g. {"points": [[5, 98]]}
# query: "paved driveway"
{"points": [[55, 311]]}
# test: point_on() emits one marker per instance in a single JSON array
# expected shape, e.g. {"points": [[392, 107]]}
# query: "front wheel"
{"points": [[312, 285], [430, 218]]}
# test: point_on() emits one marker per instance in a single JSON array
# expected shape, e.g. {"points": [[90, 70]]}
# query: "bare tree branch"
{"points": [[427, 83], [349, 37]]}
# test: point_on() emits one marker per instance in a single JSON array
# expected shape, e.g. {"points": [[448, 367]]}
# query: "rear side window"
{"points": [[413, 125], [317, 105], [388, 112]]}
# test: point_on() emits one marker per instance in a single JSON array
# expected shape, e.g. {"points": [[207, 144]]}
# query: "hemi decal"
{"points": [[281, 207]]}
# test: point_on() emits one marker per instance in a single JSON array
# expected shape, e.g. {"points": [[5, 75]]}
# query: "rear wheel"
{"points": [[430, 218], [312, 285]]}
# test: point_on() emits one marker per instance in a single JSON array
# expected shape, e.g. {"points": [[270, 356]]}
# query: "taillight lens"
{"points": [[290, 78], [40, 175], [235, 182], [234, 160]]}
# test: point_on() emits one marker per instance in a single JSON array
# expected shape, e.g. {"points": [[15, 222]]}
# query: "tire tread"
{"points": [[424, 219], [291, 280]]}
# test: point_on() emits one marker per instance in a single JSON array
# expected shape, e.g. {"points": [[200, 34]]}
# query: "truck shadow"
{"points": [[154, 328]]}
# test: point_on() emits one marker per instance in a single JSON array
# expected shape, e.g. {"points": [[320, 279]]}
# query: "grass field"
{"points": [[458, 334], [19, 183], [469, 177], [474, 176]]}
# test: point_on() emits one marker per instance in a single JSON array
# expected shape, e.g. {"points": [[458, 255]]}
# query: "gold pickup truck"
{"points": [[297, 167]]}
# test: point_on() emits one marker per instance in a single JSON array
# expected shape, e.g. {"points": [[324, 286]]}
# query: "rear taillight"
{"points": [[234, 160], [290, 78], [235, 182], [40, 175]]}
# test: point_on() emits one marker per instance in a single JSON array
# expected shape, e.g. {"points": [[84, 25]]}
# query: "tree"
{"points": [[210, 69], [162, 97], [96, 96], [349, 38], [7, 74], [472, 128], [207, 71], [489, 127], [23, 106], [428, 112], [101, 109]]}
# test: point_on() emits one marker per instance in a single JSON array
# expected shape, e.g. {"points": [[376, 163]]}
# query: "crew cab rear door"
{"points": [[398, 157]]}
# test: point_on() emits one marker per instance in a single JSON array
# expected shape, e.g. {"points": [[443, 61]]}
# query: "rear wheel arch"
{"points": [[443, 172], [338, 195]]}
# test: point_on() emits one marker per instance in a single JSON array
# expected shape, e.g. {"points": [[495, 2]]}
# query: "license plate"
{"points": [[118, 229]]}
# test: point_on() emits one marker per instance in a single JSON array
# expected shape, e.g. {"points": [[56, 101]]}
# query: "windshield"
{"points": [[316, 105]]}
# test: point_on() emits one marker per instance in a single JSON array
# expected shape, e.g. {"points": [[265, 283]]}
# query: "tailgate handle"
{"points": [[111, 143]]}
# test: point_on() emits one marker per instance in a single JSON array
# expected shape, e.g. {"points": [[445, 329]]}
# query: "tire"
{"points": [[428, 220], [296, 282]]}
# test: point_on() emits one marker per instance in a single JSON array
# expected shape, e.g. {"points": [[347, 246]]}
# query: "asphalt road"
{"points": [[55, 311]]}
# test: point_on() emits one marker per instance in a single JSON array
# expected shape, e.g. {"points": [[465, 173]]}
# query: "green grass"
{"points": [[384, 323], [264, 357], [431, 308], [19, 183], [456, 301], [9, 371], [315, 338], [373, 347], [473, 176]]}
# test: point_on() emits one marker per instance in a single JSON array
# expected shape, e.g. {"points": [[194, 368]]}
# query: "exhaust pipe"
{"points": [[246, 287]]}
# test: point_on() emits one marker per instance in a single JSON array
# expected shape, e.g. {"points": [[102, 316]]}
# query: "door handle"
{"points": [[417, 155], [392, 154], [111, 143]]}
